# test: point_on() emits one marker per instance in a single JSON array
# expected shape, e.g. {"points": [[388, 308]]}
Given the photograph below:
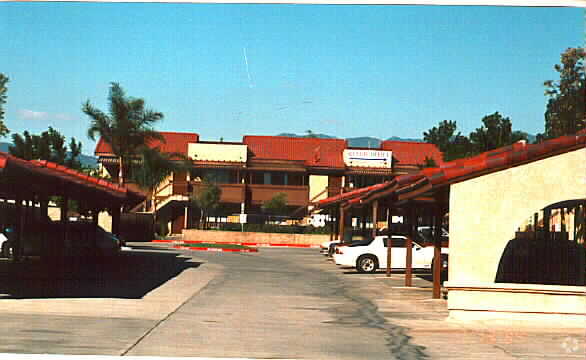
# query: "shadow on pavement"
{"points": [[129, 275]]}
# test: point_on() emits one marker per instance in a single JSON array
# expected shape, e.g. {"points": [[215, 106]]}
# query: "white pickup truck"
{"points": [[368, 256]]}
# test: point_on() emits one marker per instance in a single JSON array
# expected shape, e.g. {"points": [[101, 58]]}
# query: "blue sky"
{"points": [[346, 71]]}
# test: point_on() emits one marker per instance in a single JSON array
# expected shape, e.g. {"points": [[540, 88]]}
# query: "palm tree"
{"points": [[152, 168], [127, 127]]}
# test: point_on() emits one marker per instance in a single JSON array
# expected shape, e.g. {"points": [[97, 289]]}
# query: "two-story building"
{"points": [[251, 172]]}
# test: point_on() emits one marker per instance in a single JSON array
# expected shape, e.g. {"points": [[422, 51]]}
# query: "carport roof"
{"points": [[406, 187], [50, 178]]}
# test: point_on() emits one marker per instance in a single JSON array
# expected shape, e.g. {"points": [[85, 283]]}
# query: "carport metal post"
{"points": [[363, 223], [389, 239], [64, 219], [409, 245], [19, 229], [437, 242], [374, 217], [336, 223], [332, 225], [116, 220], [341, 224]]}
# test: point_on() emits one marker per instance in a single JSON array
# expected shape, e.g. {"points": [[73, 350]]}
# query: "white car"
{"points": [[368, 256]]}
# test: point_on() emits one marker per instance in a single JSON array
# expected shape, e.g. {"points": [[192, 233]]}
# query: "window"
{"points": [[295, 179], [398, 242], [215, 176], [278, 178], [257, 177]]}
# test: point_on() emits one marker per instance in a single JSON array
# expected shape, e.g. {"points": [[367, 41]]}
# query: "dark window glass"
{"points": [[258, 177], [398, 242], [278, 178], [295, 179]]}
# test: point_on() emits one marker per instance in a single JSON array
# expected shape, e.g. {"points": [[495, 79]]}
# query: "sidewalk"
{"points": [[427, 324]]}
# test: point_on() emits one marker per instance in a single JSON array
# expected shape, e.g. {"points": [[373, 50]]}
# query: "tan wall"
{"points": [[486, 211], [105, 221], [54, 213], [235, 236], [317, 184], [217, 152]]}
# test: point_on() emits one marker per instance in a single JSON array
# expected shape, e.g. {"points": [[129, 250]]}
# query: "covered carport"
{"points": [[510, 210], [396, 197], [31, 184]]}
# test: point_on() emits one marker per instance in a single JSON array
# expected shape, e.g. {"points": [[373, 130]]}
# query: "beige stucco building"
{"points": [[486, 212]]}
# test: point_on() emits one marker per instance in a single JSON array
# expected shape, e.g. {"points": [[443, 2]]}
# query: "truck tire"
{"points": [[367, 264]]}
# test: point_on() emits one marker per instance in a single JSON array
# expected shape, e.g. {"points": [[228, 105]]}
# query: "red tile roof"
{"points": [[409, 185], [411, 152], [174, 142], [315, 152], [50, 175]]}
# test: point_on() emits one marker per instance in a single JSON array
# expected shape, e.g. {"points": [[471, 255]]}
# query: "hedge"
{"points": [[272, 228]]}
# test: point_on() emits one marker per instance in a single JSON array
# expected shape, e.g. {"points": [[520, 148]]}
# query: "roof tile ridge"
{"points": [[178, 133]]}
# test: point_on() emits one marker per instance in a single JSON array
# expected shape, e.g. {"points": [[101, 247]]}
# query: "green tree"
{"points": [[49, 145], [277, 205], [74, 152], [428, 163], [127, 127], [564, 114], [496, 131], [3, 89], [441, 135], [152, 168], [452, 144], [207, 199], [310, 134], [58, 147]]}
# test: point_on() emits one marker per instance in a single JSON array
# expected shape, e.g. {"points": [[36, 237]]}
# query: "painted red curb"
{"points": [[280, 245], [213, 249]]}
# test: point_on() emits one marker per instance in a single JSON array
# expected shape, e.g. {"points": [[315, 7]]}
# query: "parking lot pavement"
{"points": [[95, 307], [425, 319], [279, 303]]}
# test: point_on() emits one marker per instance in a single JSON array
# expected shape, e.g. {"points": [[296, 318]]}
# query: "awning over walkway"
{"points": [[428, 180]]}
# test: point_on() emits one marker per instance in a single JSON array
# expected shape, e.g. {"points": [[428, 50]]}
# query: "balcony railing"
{"points": [[231, 193], [296, 195]]}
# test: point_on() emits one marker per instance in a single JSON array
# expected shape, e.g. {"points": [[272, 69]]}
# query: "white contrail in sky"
{"points": [[247, 70]]}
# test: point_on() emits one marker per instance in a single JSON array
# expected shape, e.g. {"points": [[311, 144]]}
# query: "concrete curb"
{"points": [[179, 247], [280, 245]]}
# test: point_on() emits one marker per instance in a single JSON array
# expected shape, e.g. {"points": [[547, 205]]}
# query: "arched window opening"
{"points": [[549, 248]]}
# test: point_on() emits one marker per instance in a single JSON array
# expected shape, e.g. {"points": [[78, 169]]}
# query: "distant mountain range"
{"points": [[363, 141], [367, 141], [85, 160]]}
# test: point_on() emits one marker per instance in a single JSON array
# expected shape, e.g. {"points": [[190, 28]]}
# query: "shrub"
{"points": [[272, 228]]}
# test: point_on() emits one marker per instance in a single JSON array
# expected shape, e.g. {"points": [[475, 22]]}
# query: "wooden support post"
{"points": [[409, 246], [389, 240], [332, 224], [546, 223], [374, 217], [363, 223], [44, 208], [437, 263], [116, 220], [337, 225], [19, 228], [65, 221], [342, 218], [535, 219]]}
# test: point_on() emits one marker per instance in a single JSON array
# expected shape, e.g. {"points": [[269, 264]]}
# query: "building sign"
{"points": [[368, 158], [217, 152]]}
